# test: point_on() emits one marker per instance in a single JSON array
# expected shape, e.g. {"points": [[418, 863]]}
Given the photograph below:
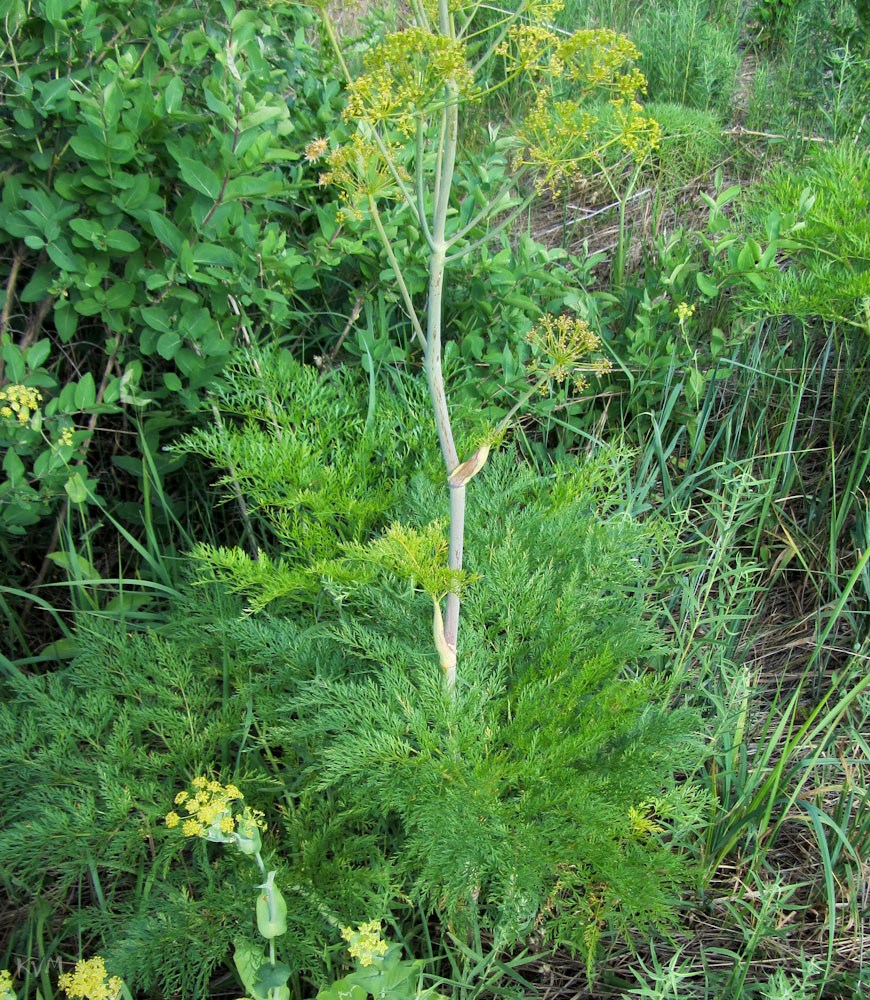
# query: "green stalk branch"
{"points": [[400, 278]]}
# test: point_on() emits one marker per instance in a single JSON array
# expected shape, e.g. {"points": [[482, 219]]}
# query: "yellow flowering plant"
{"points": [[90, 981], [218, 813], [6, 990], [380, 971], [404, 112]]}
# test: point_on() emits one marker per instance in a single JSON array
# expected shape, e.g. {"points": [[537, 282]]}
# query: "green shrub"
{"points": [[151, 161]]}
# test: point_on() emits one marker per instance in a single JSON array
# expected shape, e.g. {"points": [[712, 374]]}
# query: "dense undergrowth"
{"points": [[639, 767]]}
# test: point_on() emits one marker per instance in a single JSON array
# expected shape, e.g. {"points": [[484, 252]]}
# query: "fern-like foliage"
{"points": [[317, 463], [543, 797], [541, 800], [91, 756]]}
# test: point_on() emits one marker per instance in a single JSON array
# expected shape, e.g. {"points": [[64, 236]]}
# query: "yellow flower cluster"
{"points": [[565, 343], [409, 72], [365, 943], [684, 311], [19, 401], [557, 135], [6, 991], [66, 437], [360, 171], [531, 49], [639, 133], [597, 58], [211, 812], [536, 10], [90, 981]]}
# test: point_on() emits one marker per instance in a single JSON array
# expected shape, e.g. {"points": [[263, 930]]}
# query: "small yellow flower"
{"points": [[90, 981], [20, 401], [6, 991], [365, 943], [685, 311], [66, 437], [212, 814]]}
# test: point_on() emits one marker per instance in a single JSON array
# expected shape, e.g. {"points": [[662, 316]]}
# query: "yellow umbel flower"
{"points": [[365, 943], [564, 345], [684, 311], [212, 814], [19, 401], [559, 135], [90, 981], [409, 72], [6, 991]]}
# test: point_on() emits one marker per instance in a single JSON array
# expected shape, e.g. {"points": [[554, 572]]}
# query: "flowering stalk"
{"points": [[413, 84], [215, 812]]}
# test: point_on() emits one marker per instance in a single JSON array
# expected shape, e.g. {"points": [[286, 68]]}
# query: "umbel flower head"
{"points": [[564, 347], [410, 72], [6, 991], [360, 171], [215, 812], [560, 133], [365, 943], [19, 401], [90, 981]]}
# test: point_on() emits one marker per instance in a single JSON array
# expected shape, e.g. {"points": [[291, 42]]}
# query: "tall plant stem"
{"points": [[435, 373]]}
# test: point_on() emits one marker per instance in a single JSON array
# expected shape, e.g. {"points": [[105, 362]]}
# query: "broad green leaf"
{"points": [[13, 467], [86, 392], [173, 95], [168, 344], [72, 562], [706, 286], [88, 305], [218, 256], [200, 177], [121, 240], [259, 116], [120, 295], [157, 318], [51, 92], [247, 959], [270, 977], [88, 146], [166, 231], [60, 649], [76, 489], [87, 229], [62, 255], [38, 353]]}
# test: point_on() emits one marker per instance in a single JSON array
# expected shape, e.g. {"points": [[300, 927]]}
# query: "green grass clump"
{"points": [[692, 143], [824, 206], [686, 58]]}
